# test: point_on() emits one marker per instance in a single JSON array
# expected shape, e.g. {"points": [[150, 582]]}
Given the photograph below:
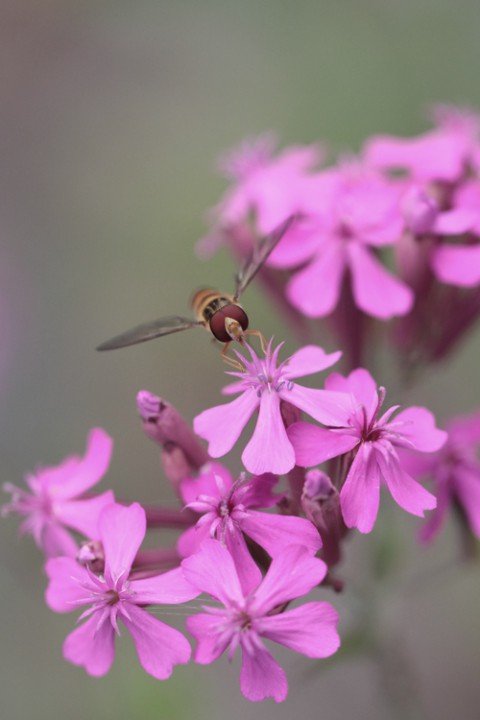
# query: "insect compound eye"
{"points": [[217, 321]]}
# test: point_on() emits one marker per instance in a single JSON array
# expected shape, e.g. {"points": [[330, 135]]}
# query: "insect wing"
{"points": [[260, 254], [149, 331]]}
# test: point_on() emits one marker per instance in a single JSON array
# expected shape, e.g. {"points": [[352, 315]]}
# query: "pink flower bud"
{"points": [[164, 425], [321, 504], [91, 556]]}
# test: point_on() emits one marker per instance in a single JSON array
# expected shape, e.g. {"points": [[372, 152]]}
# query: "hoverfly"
{"points": [[217, 312]]}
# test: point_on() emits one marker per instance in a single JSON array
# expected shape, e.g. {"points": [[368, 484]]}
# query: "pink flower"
{"points": [[55, 501], [115, 596], [352, 211], [269, 186], [455, 469], [245, 619], [372, 439], [263, 385], [227, 513]]}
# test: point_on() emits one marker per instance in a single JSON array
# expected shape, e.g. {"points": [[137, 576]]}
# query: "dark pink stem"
{"points": [[154, 560], [158, 517]]}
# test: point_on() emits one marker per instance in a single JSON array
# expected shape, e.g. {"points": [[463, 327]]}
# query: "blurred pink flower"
{"points": [[246, 619], [264, 385], [56, 499], [373, 439], [115, 596], [270, 186], [455, 470], [352, 211], [227, 513]]}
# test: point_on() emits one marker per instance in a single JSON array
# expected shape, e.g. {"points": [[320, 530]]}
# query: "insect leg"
{"points": [[231, 361], [260, 336]]}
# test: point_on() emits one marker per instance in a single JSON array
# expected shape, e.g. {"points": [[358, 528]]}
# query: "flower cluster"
{"points": [[254, 563], [418, 196], [256, 543]]}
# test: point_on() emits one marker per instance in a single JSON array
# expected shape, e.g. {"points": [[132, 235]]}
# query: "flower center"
{"points": [[111, 597], [373, 435], [244, 621], [271, 382], [224, 508]]}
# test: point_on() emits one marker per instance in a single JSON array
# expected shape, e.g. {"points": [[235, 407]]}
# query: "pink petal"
{"points": [[387, 232], [262, 677], [467, 488], [292, 574], [436, 519], [56, 540], [360, 384], [406, 491], [296, 247], [457, 265], [308, 360], [205, 483], [159, 647], [233, 388], [205, 630], [432, 156], [309, 629], [212, 570], [269, 449], [91, 647], [83, 515], [467, 195], [275, 533], [360, 495], [316, 289], [325, 406], [377, 292], [221, 426], [67, 584], [122, 530], [259, 493], [419, 428], [466, 429], [416, 464], [88, 470], [314, 445], [169, 588], [248, 572], [191, 540], [54, 479], [467, 198], [455, 222]]}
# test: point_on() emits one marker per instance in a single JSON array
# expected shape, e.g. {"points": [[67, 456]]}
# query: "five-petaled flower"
{"points": [[227, 513], [264, 385], [353, 211], [116, 596], [57, 501], [246, 619], [372, 439]]}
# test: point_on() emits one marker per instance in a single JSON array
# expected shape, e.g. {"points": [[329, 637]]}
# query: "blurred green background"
{"points": [[111, 117]]}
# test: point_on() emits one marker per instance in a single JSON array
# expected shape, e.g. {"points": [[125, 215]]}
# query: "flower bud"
{"points": [[182, 453], [91, 555], [321, 504]]}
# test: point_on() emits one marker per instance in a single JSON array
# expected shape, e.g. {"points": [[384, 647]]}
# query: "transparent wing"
{"points": [[260, 254], [150, 331]]}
